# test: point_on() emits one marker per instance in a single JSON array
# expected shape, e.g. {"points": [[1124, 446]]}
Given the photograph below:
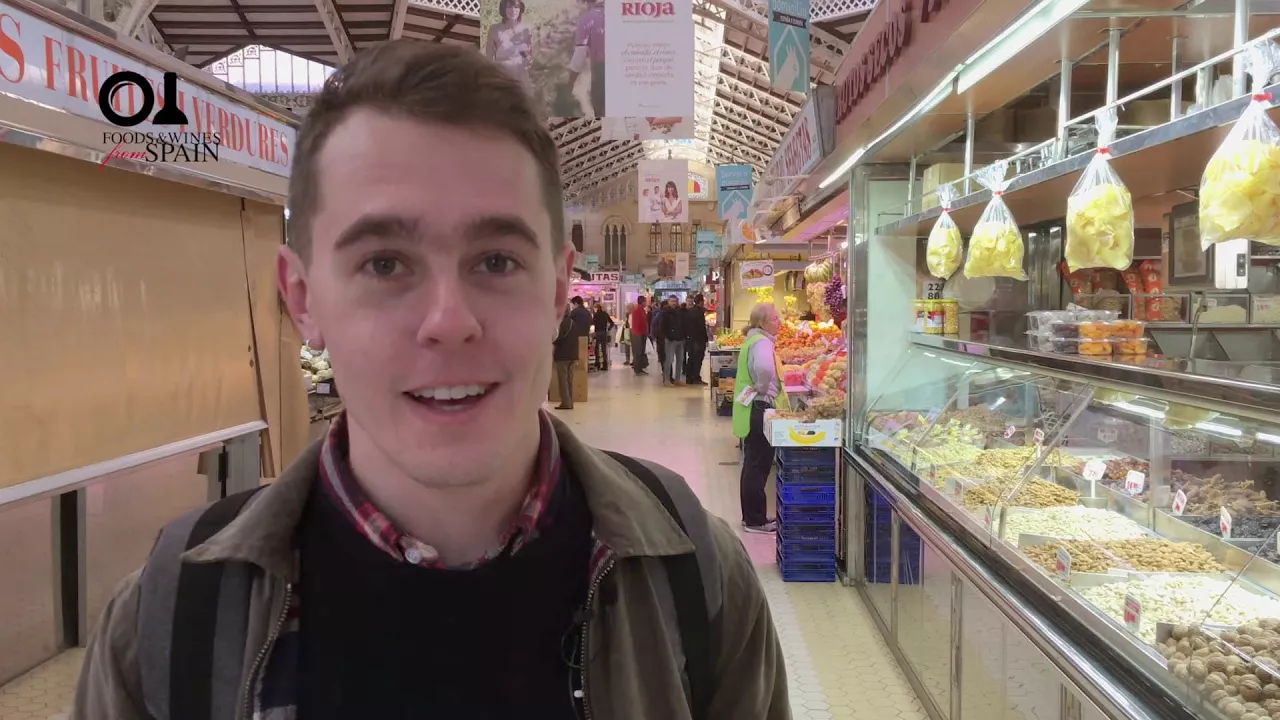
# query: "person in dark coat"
{"points": [[581, 317], [603, 325], [565, 355], [695, 339], [671, 331]]}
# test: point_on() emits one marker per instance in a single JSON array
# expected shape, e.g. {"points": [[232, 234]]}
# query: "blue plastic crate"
{"points": [[826, 478], [806, 514], [807, 550], [807, 459], [879, 572], [800, 531], [802, 571], [806, 494]]}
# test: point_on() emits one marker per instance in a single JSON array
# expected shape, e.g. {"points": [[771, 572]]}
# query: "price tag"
{"points": [[1132, 613], [323, 388], [1108, 434], [1094, 470], [1062, 568], [933, 415], [746, 396], [1134, 482], [1008, 432], [1224, 523], [1180, 504], [933, 289], [1039, 436], [951, 484]]}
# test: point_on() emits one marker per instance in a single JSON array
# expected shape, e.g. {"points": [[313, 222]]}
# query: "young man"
{"points": [[448, 550], [695, 340], [672, 333]]}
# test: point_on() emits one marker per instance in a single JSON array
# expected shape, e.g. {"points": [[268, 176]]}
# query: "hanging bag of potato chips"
{"points": [[995, 248], [1240, 188], [942, 253], [1100, 209]]}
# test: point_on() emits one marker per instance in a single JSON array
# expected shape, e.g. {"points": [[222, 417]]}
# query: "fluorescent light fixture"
{"points": [[930, 101], [1015, 38], [1220, 429], [1141, 410], [1268, 438]]}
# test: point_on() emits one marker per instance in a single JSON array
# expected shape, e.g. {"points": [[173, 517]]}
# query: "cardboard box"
{"points": [[795, 433], [935, 176]]}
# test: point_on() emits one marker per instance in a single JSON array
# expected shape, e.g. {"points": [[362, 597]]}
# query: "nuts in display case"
{"points": [[1181, 599], [1264, 309], [1035, 493], [1233, 667], [1221, 308], [1252, 527], [1140, 554], [1072, 522], [1206, 495]]}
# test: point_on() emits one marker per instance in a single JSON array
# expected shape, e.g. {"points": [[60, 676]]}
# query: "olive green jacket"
{"points": [[635, 667]]}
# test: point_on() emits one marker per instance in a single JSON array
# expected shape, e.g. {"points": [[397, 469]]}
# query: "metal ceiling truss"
{"points": [[744, 116], [398, 14], [723, 155], [338, 33], [601, 158], [744, 134], [607, 170]]}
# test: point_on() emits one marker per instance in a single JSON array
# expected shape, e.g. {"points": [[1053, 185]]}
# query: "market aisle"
{"points": [[839, 666]]}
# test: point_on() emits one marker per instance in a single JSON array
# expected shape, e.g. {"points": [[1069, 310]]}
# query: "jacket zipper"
{"points": [[250, 694], [591, 598]]}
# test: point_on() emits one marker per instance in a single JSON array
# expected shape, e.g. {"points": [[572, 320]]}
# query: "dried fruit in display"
{"points": [[1181, 599], [1142, 555]]}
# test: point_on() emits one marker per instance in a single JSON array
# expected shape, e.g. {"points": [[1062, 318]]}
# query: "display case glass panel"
{"points": [[1151, 519]]}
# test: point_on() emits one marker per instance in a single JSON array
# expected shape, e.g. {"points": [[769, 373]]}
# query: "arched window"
{"points": [[677, 238], [615, 244], [265, 70], [577, 235], [655, 239]]}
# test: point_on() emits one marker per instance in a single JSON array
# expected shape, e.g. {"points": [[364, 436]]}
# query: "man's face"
{"points": [[434, 286]]}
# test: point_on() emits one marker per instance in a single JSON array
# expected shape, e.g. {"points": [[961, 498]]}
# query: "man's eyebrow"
{"points": [[377, 226], [494, 226]]}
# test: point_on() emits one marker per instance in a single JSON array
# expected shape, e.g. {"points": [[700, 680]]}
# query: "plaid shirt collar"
{"points": [[338, 480]]}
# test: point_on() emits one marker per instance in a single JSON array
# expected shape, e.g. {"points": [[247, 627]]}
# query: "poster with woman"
{"points": [[663, 191], [554, 47]]}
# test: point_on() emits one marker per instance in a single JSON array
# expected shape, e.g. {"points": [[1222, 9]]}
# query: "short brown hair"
{"points": [[431, 82]]}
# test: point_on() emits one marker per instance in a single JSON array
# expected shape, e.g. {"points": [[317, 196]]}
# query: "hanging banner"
{"points": [[650, 59], [647, 128], [663, 191], [755, 273], [733, 191], [673, 266], [707, 245], [789, 45]]}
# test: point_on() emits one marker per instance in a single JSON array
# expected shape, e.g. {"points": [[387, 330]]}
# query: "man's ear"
{"points": [[291, 279]]}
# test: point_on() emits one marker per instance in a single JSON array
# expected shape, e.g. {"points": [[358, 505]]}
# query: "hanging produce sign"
{"points": [[876, 60], [810, 138], [789, 45], [755, 273]]}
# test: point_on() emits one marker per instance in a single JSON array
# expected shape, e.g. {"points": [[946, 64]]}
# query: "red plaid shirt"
{"points": [[339, 481]]}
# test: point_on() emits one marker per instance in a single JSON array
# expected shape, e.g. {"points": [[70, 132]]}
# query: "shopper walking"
{"points": [[695, 340], [672, 332], [448, 549], [757, 388], [624, 335], [603, 325], [639, 333], [565, 355], [656, 313]]}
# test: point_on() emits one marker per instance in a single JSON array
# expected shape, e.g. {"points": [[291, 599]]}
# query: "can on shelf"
{"points": [[950, 317], [919, 311], [934, 317]]}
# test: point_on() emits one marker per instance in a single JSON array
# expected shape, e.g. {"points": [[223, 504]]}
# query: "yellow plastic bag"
{"points": [[1100, 210], [1240, 188], [943, 251], [995, 248]]}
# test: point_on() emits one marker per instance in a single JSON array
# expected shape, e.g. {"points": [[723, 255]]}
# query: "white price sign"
{"points": [[1108, 434], [1039, 436], [1008, 432], [1062, 568], [1094, 470], [933, 289], [1180, 503], [1224, 523], [1134, 482], [1132, 613]]}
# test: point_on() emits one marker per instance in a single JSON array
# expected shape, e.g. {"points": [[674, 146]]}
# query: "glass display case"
{"points": [[1143, 521]]}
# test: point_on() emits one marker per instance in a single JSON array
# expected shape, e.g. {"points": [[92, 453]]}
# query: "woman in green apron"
{"points": [[757, 387]]}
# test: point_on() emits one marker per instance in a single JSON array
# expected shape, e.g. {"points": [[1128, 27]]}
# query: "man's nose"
{"points": [[449, 319]]}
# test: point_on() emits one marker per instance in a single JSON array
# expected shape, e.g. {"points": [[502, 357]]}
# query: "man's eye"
{"points": [[498, 264], [382, 266]]}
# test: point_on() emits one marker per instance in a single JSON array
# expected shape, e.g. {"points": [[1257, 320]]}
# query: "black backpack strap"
{"points": [[694, 614], [184, 647]]}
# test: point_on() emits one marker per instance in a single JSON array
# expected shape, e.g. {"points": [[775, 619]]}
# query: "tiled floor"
{"points": [[838, 665]]}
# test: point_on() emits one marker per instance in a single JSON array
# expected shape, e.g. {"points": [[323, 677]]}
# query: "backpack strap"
{"points": [[179, 615], [694, 580]]}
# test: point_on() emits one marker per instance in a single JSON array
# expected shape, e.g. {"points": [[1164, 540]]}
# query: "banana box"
{"points": [[797, 433]]}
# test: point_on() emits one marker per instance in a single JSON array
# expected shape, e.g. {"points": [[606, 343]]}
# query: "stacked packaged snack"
{"points": [[1133, 282], [942, 253], [1240, 188], [996, 248], [1149, 271], [1100, 210]]}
